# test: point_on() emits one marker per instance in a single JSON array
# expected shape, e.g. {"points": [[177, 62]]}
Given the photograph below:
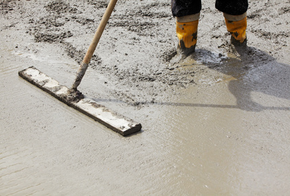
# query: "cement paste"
{"points": [[216, 123]]}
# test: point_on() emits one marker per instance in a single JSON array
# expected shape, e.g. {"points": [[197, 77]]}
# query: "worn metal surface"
{"points": [[87, 106]]}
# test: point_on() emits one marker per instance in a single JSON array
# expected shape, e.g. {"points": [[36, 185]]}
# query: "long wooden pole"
{"points": [[84, 65]]}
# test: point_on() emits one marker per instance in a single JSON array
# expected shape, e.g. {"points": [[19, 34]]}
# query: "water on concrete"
{"points": [[216, 123]]}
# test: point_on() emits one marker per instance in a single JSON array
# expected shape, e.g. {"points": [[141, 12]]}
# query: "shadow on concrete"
{"points": [[259, 73], [254, 71]]}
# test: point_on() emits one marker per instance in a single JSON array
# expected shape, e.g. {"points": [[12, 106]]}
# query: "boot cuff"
{"points": [[188, 18], [235, 17]]}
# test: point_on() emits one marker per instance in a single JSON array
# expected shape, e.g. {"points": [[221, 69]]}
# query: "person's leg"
{"points": [[187, 16], [232, 7], [235, 13], [181, 8]]}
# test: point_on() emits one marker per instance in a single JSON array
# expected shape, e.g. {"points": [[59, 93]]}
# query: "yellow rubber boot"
{"points": [[187, 36], [237, 28]]}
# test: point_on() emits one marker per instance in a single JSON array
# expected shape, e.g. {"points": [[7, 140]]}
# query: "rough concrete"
{"points": [[216, 123]]}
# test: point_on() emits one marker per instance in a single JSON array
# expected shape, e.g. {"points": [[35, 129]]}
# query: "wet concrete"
{"points": [[216, 123]]}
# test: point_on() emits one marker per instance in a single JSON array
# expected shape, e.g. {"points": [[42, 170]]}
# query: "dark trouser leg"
{"points": [[232, 7], [185, 7]]}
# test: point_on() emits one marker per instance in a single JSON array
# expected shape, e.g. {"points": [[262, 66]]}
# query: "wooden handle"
{"points": [[99, 32], [84, 65]]}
